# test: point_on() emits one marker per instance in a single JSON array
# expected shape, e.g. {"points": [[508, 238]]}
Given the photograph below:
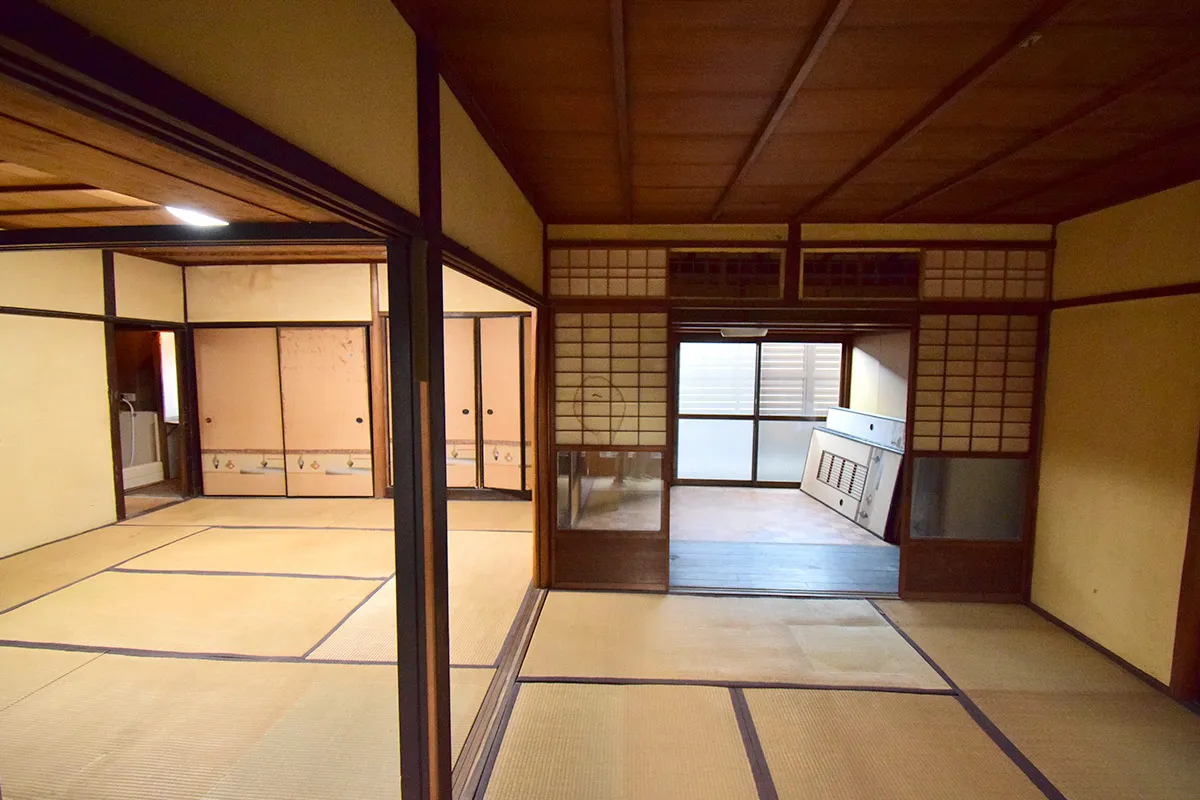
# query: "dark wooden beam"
{"points": [[1094, 167], [37, 188], [238, 233], [620, 60], [1078, 113], [31, 212], [1041, 16], [826, 26]]}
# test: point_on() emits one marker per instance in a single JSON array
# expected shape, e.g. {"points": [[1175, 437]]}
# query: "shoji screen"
{"points": [[461, 413], [500, 379], [241, 424], [326, 411]]}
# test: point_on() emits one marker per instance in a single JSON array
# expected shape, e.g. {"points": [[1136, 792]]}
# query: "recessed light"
{"points": [[195, 217]]}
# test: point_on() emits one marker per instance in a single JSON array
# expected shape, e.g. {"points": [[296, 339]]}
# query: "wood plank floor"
{"points": [[785, 567]]}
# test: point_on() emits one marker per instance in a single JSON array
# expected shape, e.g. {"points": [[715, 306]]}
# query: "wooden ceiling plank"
{"points": [[831, 18], [1078, 113], [1041, 16], [620, 69], [26, 212], [1165, 140]]}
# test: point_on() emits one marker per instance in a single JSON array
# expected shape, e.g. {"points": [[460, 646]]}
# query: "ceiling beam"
{"points": [[620, 63], [33, 188], [823, 31], [235, 233], [1045, 12], [1098, 103], [1178, 135]]}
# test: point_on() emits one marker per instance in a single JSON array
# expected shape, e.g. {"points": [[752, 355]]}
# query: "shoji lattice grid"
{"points": [[975, 383], [596, 272], [610, 379], [985, 274]]}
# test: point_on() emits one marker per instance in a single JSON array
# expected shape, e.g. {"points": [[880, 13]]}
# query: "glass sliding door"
{"points": [[747, 409]]}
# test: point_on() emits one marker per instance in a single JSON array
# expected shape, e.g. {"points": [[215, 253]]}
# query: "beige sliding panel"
{"points": [[326, 411], [461, 413], [530, 396], [241, 424], [500, 377]]}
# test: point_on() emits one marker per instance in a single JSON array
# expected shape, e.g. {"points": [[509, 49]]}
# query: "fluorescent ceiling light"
{"points": [[195, 217], [743, 333]]}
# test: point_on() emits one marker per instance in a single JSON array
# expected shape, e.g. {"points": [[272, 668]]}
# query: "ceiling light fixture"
{"points": [[743, 333], [195, 217]]}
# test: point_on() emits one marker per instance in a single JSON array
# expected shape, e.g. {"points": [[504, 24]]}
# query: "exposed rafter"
{"points": [[831, 18], [38, 188], [620, 61], [1178, 135], [1040, 17], [1082, 111]]}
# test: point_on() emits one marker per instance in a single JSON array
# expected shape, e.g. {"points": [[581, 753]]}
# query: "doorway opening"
{"points": [[150, 418], [787, 459]]}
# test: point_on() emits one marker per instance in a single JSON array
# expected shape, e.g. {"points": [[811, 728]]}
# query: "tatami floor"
{"points": [[225, 648], [246, 649], [676, 696]]}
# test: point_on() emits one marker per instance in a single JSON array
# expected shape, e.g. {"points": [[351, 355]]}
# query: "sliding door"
{"points": [[326, 411], [500, 377], [241, 424], [461, 412]]}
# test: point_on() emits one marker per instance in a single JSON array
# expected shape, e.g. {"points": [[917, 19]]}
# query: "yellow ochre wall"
{"points": [[56, 469], [279, 293], [337, 79], [879, 374], [482, 207], [1122, 418], [148, 289]]}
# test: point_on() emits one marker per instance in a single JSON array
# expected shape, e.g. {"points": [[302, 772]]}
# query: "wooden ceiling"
{"points": [[63, 169], [828, 110], [200, 255]]}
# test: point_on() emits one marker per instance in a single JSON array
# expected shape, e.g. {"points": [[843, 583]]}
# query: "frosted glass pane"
{"points": [[782, 450], [715, 449], [969, 498], [717, 378]]}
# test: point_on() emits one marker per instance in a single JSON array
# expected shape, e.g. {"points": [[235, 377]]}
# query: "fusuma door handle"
{"points": [[466, 411], [489, 411]]}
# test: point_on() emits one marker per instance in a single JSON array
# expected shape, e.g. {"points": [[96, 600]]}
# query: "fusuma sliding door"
{"points": [[326, 411], [241, 423], [501, 378], [461, 413]]}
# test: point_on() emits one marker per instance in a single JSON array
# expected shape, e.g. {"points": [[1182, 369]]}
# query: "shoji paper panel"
{"points": [[986, 274], [596, 272], [610, 379], [975, 383]]}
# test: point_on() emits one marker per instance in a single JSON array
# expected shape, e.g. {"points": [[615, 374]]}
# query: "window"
{"points": [[747, 410]]}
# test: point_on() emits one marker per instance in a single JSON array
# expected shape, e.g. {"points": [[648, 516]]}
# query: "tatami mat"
{"points": [[361, 553], [621, 742], [775, 640], [853, 745], [467, 689], [120, 728], [490, 515], [490, 573], [189, 613], [25, 671], [33, 573], [1006, 647], [1103, 746]]}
